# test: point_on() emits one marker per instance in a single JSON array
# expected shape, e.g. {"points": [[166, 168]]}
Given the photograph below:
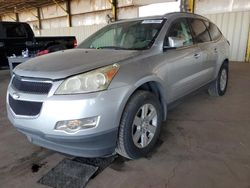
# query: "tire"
{"points": [[138, 135], [219, 86]]}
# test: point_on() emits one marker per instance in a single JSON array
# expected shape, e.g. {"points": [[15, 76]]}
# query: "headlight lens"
{"points": [[92, 81]]}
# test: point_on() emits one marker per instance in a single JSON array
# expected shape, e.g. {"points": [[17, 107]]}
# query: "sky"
{"points": [[159, 8]]}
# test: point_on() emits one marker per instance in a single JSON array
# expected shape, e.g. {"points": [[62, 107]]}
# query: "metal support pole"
{"points": [[68, 9], [247, 59], [191, 6], [58, 4], [114, 8], [17, 17], [39, 19]]}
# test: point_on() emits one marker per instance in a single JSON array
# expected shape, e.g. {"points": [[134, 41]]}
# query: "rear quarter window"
{"points": [[200, 31], [213, 30]]}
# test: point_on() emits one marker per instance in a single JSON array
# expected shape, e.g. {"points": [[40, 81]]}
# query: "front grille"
{"points": [[25, 108], [36, 87]]}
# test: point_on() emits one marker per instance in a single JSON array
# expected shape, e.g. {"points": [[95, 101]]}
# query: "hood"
{"points": [[70, 62]]}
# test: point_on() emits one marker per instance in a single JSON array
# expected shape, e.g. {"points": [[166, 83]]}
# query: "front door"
{"points": [[182, 63]]}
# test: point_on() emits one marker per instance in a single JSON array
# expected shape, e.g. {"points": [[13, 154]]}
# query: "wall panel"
{"points": [[235, 27], [214, 7], [84, 6], [81, 32], [9, 18], [27, 16], [90, 18], [53, 11]]}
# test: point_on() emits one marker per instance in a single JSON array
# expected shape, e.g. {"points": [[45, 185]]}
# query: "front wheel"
{"points": [[140, 125], [219, 86]]}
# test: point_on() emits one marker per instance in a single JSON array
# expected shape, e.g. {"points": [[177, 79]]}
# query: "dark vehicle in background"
{"points": [[17, 36]]}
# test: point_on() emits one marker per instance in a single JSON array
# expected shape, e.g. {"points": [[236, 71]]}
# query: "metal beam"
{"points": [[39, 19], [248, 47], [30, 12], [191, 5], [114, 8], [17, 17], [68, 9], [187, 6], [8, 6], [58, 4]]}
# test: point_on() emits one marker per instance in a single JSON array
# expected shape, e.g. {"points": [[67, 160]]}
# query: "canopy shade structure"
{"points": [[15, 6]]}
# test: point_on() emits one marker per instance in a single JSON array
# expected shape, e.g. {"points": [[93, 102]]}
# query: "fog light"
{"points": [[72, 126]]}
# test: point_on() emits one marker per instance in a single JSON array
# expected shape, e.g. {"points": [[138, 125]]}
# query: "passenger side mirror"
{"points": [[175, 42], [1, 44]]}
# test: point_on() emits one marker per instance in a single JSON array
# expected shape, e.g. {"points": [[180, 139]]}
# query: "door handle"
{"points": [[196, 55]]}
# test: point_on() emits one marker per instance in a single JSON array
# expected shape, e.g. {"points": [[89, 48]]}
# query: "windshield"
{"points": [[133, 35]]}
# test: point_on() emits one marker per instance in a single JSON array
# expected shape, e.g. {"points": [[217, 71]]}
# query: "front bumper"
{"points": [[92, 142], [95, 145]]}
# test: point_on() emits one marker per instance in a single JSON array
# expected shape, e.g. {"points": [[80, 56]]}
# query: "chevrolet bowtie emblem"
{"points": [[16, 95]]}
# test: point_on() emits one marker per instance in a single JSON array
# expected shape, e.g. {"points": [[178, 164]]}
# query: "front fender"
{"points": [[140, 82]]}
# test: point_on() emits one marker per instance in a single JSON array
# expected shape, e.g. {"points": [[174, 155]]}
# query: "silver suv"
{"points": [[112, 92]]}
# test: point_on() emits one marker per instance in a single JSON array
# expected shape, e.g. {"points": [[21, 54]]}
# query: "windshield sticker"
{"points": [[151, 21]]}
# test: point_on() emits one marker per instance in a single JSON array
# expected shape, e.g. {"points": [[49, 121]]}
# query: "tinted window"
{"points": [[213, 30], [15, 31], [200, 31], [180, 31]]}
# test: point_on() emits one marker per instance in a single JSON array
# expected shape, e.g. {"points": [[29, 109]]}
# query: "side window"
{"points": [[15, 31], [199, 31], [213, 30], [179, 34]]}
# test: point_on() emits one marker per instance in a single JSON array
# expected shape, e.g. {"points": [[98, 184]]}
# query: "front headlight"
{"points": [[96, 80]]}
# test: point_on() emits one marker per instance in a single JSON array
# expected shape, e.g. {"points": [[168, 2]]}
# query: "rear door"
{"points": [[183, 67], [203, 40], [16, 38], [215, 35]]}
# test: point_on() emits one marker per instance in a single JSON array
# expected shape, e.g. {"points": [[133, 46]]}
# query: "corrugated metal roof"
{"points": [[13, 6]]}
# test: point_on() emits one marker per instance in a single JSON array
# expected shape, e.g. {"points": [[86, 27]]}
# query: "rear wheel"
{"points": [[219, 86], [140, 125]]}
